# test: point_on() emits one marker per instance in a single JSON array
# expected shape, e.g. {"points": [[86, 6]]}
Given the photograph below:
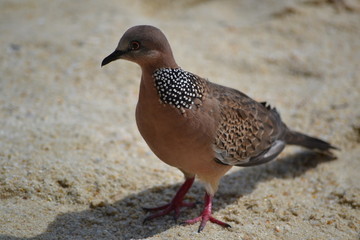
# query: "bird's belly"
{"points": [[177, 140]]}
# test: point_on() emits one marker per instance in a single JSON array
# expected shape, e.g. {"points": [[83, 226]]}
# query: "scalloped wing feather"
{"points": [[248, 131]]}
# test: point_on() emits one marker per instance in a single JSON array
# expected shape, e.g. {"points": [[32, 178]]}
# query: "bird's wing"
{"points": [[249, 133]]}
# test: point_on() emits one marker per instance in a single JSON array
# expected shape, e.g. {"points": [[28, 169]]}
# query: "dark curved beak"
{"points": [[112, 57]]}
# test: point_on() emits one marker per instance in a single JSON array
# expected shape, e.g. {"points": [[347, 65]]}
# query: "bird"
{"points": [[197, 126]]}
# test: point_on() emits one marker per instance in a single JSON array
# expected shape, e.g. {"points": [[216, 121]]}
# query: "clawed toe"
{"points": [[175, 205], [167, 209], [206, 216]]}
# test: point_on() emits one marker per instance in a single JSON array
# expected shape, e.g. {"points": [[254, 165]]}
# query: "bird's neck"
{"points": [[148, 94], [147, 81], [151, 67]]}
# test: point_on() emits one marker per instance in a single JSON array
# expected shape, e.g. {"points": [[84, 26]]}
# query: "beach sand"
{"points": [[74, 166]]}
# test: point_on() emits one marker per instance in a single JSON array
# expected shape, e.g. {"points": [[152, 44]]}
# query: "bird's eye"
{"points": [[134, 45]]}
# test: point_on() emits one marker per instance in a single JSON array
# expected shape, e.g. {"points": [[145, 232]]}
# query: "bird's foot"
{"points": [[175, 205], [206, 216], [167, 209]]}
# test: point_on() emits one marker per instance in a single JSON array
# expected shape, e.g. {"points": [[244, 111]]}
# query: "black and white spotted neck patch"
{"points": [[177, 87]]}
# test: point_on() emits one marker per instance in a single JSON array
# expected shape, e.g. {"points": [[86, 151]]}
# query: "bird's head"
{"points": [[144, 45]]}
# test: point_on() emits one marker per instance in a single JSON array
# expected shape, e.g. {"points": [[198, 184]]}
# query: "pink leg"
{"points": [[175, 204], [206, 215]]}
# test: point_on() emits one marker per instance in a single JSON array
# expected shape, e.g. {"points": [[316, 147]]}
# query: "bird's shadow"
{"points": [[123, 219]]}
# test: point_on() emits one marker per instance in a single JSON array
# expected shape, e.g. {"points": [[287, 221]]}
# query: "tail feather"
{"points": [[296, 138]]}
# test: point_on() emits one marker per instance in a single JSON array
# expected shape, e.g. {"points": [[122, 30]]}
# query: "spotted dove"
{"points": [[197, 126]]}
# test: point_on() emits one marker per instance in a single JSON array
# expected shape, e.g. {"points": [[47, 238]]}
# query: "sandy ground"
{"points": [[73, 165]]}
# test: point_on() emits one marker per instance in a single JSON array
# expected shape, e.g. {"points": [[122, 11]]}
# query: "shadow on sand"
{"points": [[124, 219]]}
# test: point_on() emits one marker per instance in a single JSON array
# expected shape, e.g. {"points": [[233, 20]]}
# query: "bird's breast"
{"points": [[183, 140]]}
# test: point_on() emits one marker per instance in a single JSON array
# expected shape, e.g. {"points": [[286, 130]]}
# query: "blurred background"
{"points": [[73, 165]]}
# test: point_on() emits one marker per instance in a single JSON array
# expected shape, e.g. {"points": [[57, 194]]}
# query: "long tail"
{"points": [[296, 138]]}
